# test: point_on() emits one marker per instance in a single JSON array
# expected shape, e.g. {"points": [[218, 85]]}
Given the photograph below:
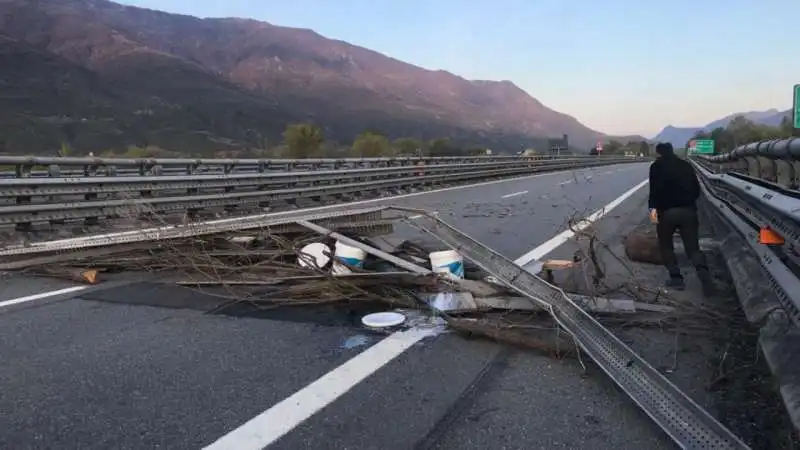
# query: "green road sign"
{"points": [[796, 108], [702, 146]]}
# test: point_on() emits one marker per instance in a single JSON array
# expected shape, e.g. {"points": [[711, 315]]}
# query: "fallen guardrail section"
{"points": [[234, 186]]}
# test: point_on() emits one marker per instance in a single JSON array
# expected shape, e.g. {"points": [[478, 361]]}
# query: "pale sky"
{"points": [[618, 66]]}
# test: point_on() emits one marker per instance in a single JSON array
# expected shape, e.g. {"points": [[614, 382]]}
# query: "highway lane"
{"points": [[105, 374]]}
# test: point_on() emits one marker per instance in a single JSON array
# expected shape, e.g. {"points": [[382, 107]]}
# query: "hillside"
{"points": [[96, 74], [678, 136]]}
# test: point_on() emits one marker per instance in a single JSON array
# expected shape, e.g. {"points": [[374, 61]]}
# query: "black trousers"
{"points": [[686, 222]]}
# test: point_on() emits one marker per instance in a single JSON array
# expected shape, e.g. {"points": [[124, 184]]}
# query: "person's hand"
{"points": [[653, 215]]}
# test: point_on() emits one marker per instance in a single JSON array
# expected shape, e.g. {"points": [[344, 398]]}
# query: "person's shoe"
{"points": [[676, 283]]}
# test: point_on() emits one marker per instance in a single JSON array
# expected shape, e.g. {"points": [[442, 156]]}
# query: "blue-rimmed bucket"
{"points": [[448, 261]]}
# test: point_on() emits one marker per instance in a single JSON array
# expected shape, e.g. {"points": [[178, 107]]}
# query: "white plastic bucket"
{"points": [[315, 253], [344, 256], [447, 261]]}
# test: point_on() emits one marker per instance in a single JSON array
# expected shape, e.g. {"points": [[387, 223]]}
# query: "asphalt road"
{"points": [[90, 370]]}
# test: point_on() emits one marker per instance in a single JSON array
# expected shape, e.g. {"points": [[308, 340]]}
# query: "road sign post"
{"points": [[796, 107], [701, 146]]}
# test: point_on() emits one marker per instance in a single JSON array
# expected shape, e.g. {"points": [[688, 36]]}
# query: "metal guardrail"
{"points": [[776, 161], [755, 186], [748, 207], [745, 205], [56, 199], [26, 166]]}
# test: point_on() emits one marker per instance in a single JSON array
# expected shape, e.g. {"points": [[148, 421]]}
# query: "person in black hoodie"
{"points": [[674, 191]]}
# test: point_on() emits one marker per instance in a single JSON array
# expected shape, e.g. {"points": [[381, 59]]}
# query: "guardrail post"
{"points": [[53, 171], [784, 173], [752, 168], [227, 169], [23, 170], [794, 183], [90, 170], [767, 168]]}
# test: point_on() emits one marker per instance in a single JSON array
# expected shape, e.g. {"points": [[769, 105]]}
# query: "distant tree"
{"points": [[408, 146], [303, 140], [441, 147], [786, 127], [644, 148], [613, 147], [142, 152], [371, 145], [740, 131], [65, 150]]}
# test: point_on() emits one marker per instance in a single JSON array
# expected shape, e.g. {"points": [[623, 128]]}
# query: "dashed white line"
{"points": [[565, 182], [280, 419], [41, 295], [514, 194]]}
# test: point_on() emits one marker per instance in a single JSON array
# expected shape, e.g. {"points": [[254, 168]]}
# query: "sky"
{"points": [[618, 66]]}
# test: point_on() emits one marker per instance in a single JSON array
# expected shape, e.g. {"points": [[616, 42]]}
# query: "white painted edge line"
{"points": [[542, 250], [269, 426], [41, 295], [514, 194]]}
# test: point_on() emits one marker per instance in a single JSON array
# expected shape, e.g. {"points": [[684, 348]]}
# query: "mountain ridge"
{"points": [[289, 74], [678, 136]]}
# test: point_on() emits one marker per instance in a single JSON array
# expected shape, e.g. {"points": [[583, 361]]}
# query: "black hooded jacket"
{"points": [[673, 183]]}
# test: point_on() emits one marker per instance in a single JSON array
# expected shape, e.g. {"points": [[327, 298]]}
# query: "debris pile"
{"points": [[312, 265]]}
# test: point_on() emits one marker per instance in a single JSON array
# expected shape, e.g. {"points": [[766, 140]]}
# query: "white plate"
{"points": [[383, 319]]}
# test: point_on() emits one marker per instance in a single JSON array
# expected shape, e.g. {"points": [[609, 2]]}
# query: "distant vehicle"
{"points": [[594, 151]]}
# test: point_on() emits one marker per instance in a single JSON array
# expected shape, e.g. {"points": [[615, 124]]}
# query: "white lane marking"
{"points": [[272, 424], [608, 172], [41, 295], [280, 419], [565, 235], [514, 194], [565, 182], [415, 217]]}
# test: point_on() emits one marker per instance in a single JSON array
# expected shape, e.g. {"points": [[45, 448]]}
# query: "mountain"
{"points": [[678, 136], [96, 74]]}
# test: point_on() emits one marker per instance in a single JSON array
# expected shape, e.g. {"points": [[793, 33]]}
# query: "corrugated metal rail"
{"points": [[54, 200]]}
